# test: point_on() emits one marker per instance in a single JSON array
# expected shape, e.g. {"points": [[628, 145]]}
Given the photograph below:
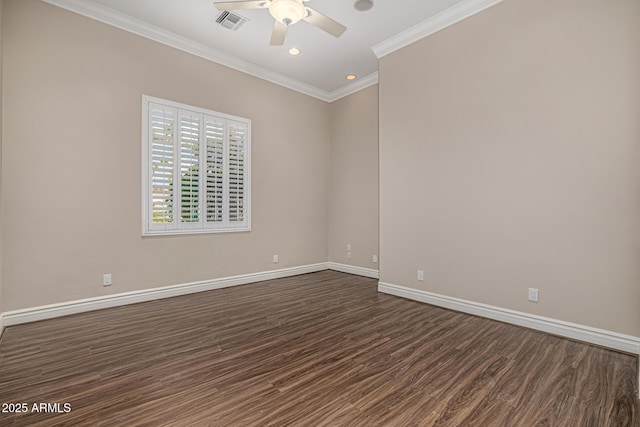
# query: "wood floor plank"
{"points": [[322, 349]]}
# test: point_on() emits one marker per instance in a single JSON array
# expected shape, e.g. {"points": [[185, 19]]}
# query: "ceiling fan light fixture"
{"points": [[287, 12], [363, 5]]}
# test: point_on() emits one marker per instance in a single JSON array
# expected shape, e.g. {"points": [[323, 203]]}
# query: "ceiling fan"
{"points": [[285, 13]]}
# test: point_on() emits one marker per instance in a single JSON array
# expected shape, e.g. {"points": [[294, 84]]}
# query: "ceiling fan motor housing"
{"points": [[287, 11]]}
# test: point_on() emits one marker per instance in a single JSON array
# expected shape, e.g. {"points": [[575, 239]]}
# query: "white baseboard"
{"points": [[351, 269], [626, 343], [34, 314], [1, 323]]}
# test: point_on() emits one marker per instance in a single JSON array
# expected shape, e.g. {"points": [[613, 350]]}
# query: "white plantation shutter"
{"points": [[215, 135], [161, 152], [236, 171], [196, 168], [190, 167]]}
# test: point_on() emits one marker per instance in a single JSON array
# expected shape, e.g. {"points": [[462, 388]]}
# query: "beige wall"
{"points": [[353, 179], [509, 147], [72, 97], [1, 189]]}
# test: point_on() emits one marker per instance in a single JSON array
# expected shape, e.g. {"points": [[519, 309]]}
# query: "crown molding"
{"points": [[358, 85], [168, 38], [442, 20]]}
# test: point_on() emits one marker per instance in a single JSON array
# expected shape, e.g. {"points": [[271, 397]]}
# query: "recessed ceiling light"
{"points": [[363, 5], [294, 51], [350, 77]]}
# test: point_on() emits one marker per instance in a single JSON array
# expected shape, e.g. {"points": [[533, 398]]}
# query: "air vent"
{"points": [[230, 20]]}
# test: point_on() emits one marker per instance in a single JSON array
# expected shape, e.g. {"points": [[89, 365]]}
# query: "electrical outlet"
{"points": [[374, 259], [348, 247], [348, 255], [106, 280], [276, 259], [420, 275], [533, 294]]}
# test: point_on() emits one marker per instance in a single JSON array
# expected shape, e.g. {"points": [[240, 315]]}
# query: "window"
{"points": [[196, 169]]}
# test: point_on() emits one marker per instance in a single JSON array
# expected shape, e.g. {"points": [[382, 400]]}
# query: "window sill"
{"points": [[158, 233]]}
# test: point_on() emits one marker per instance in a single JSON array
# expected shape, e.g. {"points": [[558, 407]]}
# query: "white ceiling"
{"points": [[324, 61]]}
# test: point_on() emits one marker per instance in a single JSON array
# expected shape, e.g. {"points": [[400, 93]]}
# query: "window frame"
{"points": [[147, 195]]}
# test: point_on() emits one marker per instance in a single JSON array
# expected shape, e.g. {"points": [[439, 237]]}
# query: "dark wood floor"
{"points": [[318, 349]]}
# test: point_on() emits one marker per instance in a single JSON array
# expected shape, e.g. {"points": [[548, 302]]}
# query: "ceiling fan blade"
{"points": [[278, 34], [246, 4], [324, 23]]}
